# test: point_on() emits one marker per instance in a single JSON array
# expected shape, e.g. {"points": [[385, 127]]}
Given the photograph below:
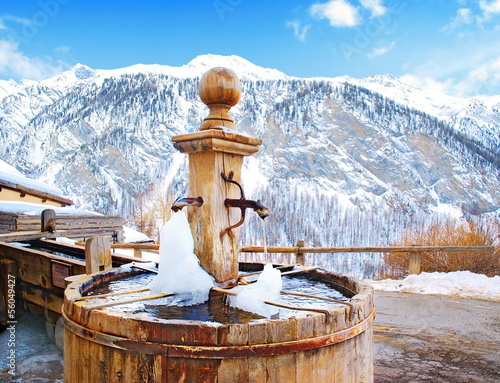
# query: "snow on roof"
{"points": [[35, 208], [10, 174]]}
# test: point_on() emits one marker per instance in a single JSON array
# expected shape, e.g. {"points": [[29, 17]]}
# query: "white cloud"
{"points": [[300, 32], [17, 20], [375, 7], [464, 16], [63, 49], [382, 50], [340, 13], [482, 80], [428, 83], [490, 7], [15, 64], [486, 76]]}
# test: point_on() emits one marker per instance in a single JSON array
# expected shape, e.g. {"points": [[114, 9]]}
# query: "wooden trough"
{"points": [[104, 345], [41, 274]]}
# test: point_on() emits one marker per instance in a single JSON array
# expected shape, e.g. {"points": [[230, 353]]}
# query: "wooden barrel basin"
{"points": [[106, 345]]}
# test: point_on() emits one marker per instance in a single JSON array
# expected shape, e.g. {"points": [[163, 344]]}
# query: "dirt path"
{"points": [[423, 338]]}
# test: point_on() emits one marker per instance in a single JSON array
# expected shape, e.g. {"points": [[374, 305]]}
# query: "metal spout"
{"points": [[263, 213], [186, 201], [243, 203]]}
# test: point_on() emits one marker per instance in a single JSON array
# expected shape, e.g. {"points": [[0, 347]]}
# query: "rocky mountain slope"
{"points": [[344, 161]]}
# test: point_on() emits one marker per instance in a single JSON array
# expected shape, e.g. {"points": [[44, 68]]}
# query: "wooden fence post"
{"points": [[48, 220], [415, 262], [118, 236], [97, 254], [137, 253], [299, 257]]}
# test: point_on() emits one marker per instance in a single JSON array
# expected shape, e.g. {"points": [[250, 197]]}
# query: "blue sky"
{"points": [[451, 46]]}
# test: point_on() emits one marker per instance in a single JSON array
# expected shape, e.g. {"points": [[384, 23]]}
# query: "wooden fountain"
{"points": [[215, 150], [331, 345]]}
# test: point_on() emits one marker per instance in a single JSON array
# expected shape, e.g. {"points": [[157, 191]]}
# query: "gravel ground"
{"points": [[424, 338], [37, 358]]}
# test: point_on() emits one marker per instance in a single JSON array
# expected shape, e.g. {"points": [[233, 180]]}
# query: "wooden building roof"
{"points": [[14, 191]]}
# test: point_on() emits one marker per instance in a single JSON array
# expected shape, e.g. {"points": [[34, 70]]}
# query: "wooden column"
{"points": [[216, 148]]}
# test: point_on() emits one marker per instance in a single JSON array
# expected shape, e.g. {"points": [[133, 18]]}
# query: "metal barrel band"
{"points": [[217, 352]]}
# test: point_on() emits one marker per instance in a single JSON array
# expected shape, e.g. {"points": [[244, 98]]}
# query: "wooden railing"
{"points": [[300, 250], [137, 247], [415, 251]]}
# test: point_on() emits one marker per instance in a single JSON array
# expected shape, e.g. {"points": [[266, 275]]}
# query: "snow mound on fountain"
{"points": [[252, 297], [179, 270]]}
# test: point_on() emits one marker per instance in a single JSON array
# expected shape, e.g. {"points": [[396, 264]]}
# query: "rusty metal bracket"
{"points": [[242, 204], [243, 209]]}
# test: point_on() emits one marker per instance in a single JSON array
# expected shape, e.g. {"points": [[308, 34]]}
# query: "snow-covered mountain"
{"points": [[344, 161]]}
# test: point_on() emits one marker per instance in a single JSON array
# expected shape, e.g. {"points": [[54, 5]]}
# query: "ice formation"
{"points": [[179, 270], [252, 297]]}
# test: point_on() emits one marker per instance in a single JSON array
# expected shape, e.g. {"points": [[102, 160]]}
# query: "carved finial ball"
{"points": [[220, 86]]}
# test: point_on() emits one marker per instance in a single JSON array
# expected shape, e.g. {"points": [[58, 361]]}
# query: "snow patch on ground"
{"points": [[460, 284]]}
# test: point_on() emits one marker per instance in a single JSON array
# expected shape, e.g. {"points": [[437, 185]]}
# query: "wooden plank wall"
{"points": [[73, 226], [8, 221]]}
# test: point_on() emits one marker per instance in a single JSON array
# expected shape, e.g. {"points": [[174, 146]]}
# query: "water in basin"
{"points": [[215, 309]]}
